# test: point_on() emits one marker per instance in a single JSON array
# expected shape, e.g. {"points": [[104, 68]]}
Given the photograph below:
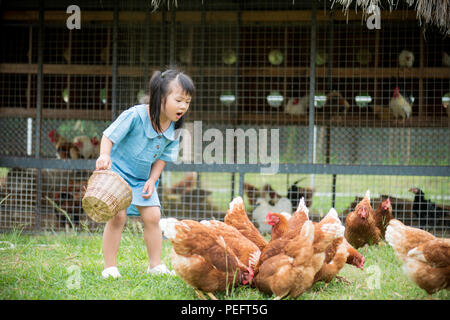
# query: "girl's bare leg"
{"points": [[152, 233], [111, 238]]}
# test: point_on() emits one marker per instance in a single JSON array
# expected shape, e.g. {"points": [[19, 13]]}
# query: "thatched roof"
{"points": [[429, 12]]}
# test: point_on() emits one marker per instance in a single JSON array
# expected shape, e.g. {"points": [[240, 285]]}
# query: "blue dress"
{"points": [[136, 146]]}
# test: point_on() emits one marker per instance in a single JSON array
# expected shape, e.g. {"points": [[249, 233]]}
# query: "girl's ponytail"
{"points": [[155, 99]]}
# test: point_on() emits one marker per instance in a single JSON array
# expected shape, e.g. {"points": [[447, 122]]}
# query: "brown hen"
{"points": [[237, 217], [335, 254], [279, 225], [203, 259], [425, 258], [360, 226], [291, 271], [382, 215], [246, 251]]}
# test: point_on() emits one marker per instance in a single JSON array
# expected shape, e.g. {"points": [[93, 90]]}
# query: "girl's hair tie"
{"points": [[163, 74]]}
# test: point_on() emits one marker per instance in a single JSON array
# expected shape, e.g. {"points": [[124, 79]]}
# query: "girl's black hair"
{"points": [[159, 89]]}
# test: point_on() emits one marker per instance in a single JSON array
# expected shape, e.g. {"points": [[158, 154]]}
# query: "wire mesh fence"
{"points": [[379, 97]]}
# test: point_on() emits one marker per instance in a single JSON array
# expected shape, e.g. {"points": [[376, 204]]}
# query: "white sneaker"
{"points": [[111, 272], [161, 269]]}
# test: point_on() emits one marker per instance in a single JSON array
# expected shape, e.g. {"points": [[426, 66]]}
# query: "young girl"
{"points": [[137, 146]]}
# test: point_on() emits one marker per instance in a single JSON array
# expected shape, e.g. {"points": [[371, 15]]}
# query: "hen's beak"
{"points": [[268, 218], [361, 266], [363, 213]]}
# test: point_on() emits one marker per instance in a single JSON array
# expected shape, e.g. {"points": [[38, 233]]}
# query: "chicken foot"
{"points": [[281, 296], [211, 295], [342, 279], [200, 294]]}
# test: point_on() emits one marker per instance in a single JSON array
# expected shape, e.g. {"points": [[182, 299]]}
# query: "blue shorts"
{"points": [[136, 188], [132, 210]]}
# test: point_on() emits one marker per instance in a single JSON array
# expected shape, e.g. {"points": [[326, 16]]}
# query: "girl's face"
{"points": [[177, 103]]}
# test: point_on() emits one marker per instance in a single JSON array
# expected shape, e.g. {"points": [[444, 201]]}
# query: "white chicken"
{"points": [[406, 59], [89, 147], [263, 207], [297, 105], [399, 106], [445, 59]]}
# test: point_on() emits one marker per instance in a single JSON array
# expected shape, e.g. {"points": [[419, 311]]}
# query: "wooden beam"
{"points": [[211, 16], [86, 16], [277, 118], [49, 113], [80, 69]]}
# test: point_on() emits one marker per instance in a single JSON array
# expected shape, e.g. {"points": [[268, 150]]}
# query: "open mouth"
{"points": [[179, 114]]}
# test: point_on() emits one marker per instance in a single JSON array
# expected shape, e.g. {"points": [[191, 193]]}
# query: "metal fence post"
{"points": [[236, 104], [162, 41], [330, 87], [172, 38], [312, 83], [38, 126], [114, 61], [241, 184]]}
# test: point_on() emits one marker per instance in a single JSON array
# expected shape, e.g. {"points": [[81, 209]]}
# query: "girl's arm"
{"points": [[155, 173], [104, 160]]}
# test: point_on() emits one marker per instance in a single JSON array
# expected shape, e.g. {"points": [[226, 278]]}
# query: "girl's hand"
{"points": [[148, 187], [103, 162]]}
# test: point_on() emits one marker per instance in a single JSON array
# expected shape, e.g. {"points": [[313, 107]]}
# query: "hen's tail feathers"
{"points": [[302, 207], [334, 215], [367, 195], [333, 230], [308, 231], [167, 226], [237, 202], [394, 232]]}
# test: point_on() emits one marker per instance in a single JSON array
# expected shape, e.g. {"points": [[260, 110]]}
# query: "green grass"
{"points": [[45, 266]]}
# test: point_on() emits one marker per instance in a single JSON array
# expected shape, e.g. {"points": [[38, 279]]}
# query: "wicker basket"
{"points": [[107, 194]]}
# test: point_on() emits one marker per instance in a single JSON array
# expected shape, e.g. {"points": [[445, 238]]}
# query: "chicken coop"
{"points": [[317, 99]]}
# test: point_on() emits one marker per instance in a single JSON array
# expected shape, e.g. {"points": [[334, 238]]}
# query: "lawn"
{"points": [[68, 266]]}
